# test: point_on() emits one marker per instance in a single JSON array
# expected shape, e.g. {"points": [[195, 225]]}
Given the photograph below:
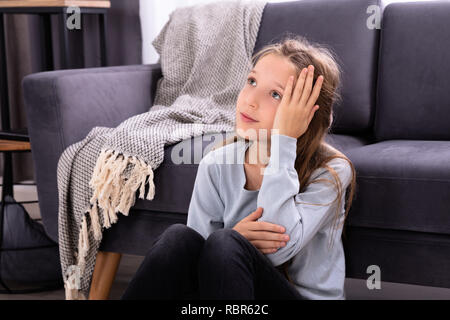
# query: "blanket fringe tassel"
{"points": [[112, 194]]}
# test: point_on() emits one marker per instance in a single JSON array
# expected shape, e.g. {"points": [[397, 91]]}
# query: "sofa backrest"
{"points": [[342, 27], [413, 98]]}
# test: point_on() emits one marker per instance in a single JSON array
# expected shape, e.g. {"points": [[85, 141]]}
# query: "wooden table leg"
{"points": [[104, 273]]}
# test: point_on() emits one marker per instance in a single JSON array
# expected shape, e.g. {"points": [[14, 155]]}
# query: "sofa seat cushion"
{"points": [[403, 185], [345, 142]]}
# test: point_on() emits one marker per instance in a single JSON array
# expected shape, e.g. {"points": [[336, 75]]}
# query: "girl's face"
{"points": [[261, 95]]}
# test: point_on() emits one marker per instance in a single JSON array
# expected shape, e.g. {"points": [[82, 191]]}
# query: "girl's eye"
{"points": [[277, 94]]}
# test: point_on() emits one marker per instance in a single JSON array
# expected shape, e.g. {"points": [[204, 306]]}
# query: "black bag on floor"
{"points": [[29, 259]]}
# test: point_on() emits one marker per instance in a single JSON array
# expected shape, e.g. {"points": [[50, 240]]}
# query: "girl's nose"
{"points": [[251, 100]]}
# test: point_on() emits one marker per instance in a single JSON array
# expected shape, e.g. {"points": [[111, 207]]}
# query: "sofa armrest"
{"points": [[63, 106]]}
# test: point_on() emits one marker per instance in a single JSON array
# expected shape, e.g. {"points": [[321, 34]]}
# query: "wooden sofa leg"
{"points": [[105, 269]]}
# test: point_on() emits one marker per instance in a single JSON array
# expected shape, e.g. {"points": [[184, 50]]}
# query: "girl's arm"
{"points": [[279, 192], [205, 214]]}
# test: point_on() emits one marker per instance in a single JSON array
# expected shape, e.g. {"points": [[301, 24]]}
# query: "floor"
{"points": [[356, 289]]}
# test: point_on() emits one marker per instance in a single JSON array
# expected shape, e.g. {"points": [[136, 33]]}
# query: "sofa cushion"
{"points": [[403, 185], [342, 27], [345, 142], [413, 96]]}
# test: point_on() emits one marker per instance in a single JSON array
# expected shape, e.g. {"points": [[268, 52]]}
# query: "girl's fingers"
{"points": [[315, 93], [299, 85], [288, 90], [265, 226], [308, 85], [266, 236], [263, 244], [266, 251]]}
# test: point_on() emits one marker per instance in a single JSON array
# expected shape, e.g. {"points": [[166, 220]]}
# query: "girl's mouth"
{"points": [[246, 119]]}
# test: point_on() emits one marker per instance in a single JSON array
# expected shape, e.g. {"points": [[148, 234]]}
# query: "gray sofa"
{"points": [[393, 123]]}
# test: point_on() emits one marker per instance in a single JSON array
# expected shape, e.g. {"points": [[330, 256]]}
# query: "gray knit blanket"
{"points": [[205, 54]]}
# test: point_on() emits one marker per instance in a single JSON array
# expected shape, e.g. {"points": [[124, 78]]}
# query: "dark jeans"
{"points": [[183, 265]]}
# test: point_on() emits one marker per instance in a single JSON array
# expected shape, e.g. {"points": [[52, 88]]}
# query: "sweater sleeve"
{"points": [[206, 209], [302, 214]]}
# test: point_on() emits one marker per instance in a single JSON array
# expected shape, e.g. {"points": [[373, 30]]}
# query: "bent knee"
{"points": [[221, 235], [180, 235], [221, 243]]}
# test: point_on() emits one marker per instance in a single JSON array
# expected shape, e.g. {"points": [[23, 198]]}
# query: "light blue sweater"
{"points": [[219, 200]]}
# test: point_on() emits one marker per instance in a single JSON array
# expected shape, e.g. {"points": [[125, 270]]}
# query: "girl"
{"points": [[285, 248]]}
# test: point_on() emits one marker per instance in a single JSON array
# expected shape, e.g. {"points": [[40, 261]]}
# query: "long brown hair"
{"points": [[312, 150]]}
